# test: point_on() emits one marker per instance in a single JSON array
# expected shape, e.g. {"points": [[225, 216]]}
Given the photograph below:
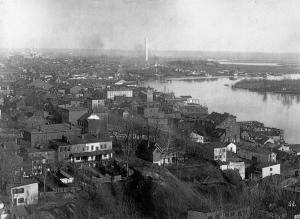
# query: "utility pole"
{"points": [[45, 177]]}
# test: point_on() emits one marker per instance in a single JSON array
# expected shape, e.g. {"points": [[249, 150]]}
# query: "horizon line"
{"points": [[159, 50]]}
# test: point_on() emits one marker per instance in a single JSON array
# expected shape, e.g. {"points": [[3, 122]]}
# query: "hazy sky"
{"points": [[207, 25]]}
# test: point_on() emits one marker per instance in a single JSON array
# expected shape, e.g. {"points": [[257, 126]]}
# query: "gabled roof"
{"points": [[217, 133], [146, 147], [150, 147], [92, 116], [261, 139], [120, 82], [77, 86]]}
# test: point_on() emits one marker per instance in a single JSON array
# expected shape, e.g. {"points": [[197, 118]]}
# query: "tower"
{"points": [[146, 50]]}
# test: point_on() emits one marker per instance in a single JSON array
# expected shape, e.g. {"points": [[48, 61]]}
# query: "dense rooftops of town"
{"points": [[165, 109], [52, 128], [40, 84]]}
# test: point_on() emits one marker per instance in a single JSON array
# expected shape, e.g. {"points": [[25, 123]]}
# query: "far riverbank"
{"points": [[284, 86]]}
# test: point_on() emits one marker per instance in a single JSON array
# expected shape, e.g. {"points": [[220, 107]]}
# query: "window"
{"points": [[77, 158], [92, 148], [87, 148], [271, 169], [97, 148], [21, 200], [232, 214], [21, 190], [216, 157], [239, 213]]}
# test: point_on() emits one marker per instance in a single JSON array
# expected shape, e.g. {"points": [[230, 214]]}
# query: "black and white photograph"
{"points": [[149, 109]]}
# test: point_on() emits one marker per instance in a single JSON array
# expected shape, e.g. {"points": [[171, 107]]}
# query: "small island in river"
{"points": [[284, 86]]}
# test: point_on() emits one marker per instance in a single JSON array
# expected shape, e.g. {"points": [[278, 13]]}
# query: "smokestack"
{"points": [[146, 50]]}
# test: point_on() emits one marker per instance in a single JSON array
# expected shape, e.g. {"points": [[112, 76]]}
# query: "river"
{"points": [[274, 110]]}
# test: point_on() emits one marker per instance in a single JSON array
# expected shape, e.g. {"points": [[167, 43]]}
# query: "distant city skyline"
{"points": [[169, 25]]}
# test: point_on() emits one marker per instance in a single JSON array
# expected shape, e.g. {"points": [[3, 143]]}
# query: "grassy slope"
{"points": [[151, 192]]}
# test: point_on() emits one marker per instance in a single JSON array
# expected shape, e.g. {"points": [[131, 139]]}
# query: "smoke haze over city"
{"points": [[206, 25]]}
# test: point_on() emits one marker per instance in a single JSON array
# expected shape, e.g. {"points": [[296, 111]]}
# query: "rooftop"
{"points": [[263, 165], [84, 139], [53, 128], [72, 107], [24, 182], [33, 150], [253, 148], [213, 145], [218, 118]]}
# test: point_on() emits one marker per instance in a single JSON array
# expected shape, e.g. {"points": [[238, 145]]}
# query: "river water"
{"points": [[274, 110]]}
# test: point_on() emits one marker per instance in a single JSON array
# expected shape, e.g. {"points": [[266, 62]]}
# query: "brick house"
{"points": [[84, 148], [42, 134]]}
